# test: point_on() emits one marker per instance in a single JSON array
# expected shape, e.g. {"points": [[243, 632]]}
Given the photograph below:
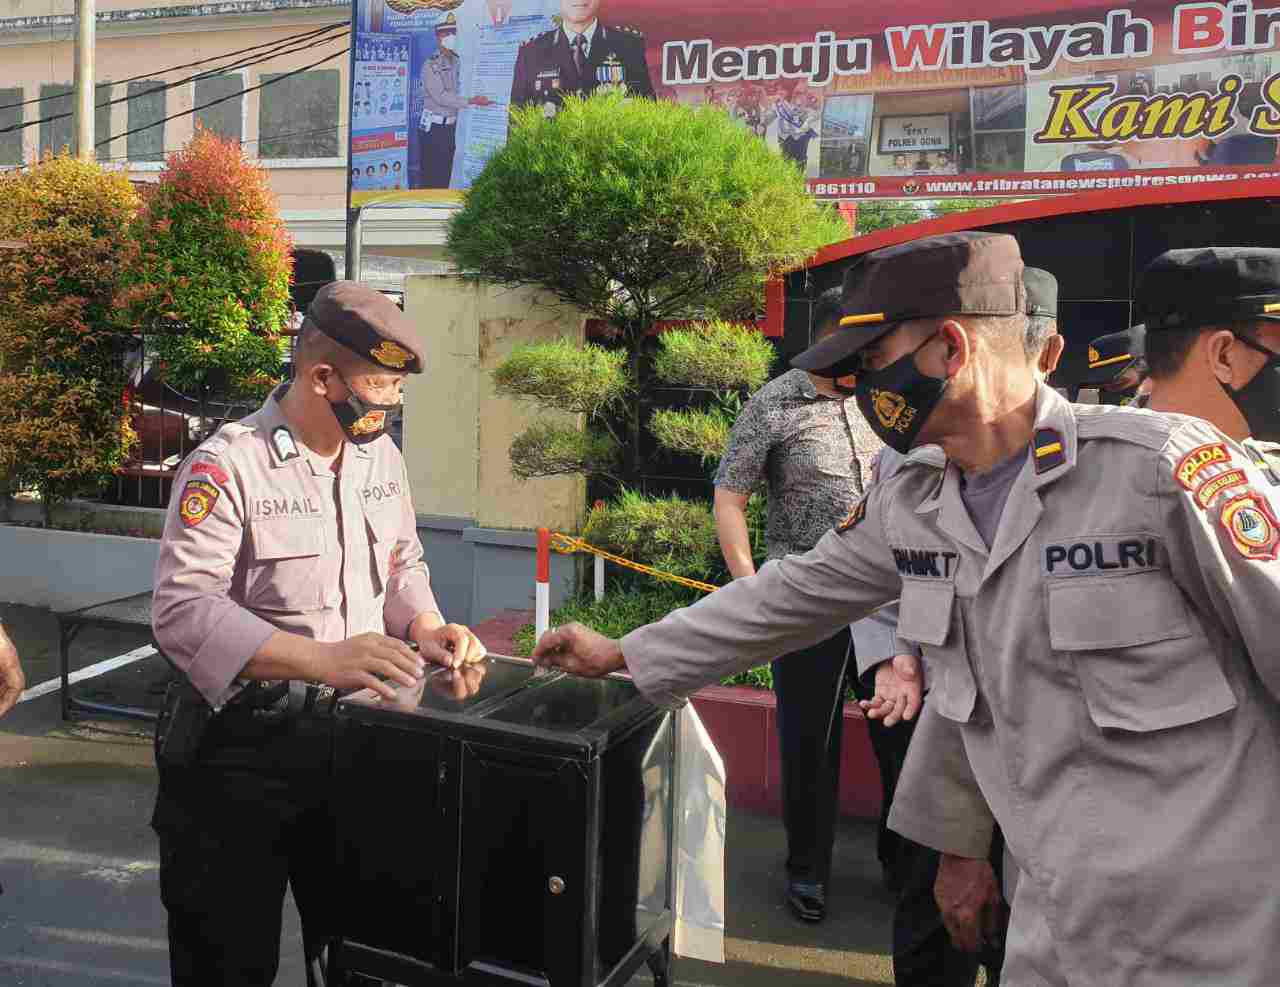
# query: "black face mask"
{"points": [[897, 400], [1259, 400], [361, 420], [1119, 398]]}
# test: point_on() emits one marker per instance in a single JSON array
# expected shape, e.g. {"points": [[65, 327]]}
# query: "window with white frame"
{"points": [[146, 111]]}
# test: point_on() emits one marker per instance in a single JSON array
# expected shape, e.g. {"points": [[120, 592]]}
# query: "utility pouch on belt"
{"points": [[182, 725]]}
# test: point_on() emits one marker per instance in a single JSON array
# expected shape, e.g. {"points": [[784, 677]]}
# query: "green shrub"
{"points": [[667, 533], [719, 355], [696, 432], [551, 449], [583, 380]]}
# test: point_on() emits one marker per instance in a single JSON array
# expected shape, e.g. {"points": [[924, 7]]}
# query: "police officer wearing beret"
{"points": [[1110, 662], [578, 57], [1117, 367], [290, 571]]}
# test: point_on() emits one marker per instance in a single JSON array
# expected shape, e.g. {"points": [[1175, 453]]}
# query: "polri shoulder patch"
{"points": [[286, 448], [1047, 449], [855, 516], [1252, 526], [197, 501]]}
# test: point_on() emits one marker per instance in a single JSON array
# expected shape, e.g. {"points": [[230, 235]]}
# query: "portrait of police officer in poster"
{"points": [[580, 55]]}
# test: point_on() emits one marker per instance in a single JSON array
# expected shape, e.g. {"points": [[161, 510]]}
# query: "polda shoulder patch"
{"points": [[855, 516]]}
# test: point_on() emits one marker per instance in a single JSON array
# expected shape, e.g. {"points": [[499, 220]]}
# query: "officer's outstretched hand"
{"points": [[579, 650], [450, 645], [364, 661], [899, 691]]}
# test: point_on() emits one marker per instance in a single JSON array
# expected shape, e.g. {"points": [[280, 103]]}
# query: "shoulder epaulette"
{"points": [[1128, 425]]}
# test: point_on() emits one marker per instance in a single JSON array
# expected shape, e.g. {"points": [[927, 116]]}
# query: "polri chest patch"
{"points": [[1096, 554]]}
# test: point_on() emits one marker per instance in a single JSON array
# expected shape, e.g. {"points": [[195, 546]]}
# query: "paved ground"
{"points": [[78, 861]]}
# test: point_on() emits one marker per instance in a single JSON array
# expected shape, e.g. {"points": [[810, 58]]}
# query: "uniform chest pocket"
{"points": [[929, 616], [384, 526], [286, 570], [1142, 662]]}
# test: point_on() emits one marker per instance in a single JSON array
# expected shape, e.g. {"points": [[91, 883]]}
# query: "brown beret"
{"points": [[950, 274], [369, 324]]}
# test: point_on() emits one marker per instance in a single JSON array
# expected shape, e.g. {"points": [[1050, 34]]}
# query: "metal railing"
{"points": [[170, 424]]}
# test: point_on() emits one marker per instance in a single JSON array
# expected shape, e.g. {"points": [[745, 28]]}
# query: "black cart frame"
{"points": [[125, 613]]}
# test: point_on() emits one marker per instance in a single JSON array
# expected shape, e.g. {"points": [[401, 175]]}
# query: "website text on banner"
{"points": [[868, 99]]}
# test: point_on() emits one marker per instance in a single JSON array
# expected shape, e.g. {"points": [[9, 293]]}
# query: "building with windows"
{"points": [[271, 74]]}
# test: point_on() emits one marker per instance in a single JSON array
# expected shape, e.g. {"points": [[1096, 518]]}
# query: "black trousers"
{"points": [[438, 148], [809, 686], [248, 819], [923, 955]]}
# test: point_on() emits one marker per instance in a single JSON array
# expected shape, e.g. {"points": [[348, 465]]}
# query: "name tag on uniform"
{"points": [[926, 563], [1092, 554], [279, 507]]}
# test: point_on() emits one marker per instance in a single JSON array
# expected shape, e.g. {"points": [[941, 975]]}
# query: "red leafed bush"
{"points": [[212, 281]]}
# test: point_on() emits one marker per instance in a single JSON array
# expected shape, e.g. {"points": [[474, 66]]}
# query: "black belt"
{"points": [[281, 700]]}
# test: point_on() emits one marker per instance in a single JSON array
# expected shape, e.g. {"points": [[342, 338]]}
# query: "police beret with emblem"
{"points": [[952, 274], [369, 324], [1113, 354], [1210, 286], [1042, 292]]}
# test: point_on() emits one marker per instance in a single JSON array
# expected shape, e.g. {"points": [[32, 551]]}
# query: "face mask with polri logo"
{"points": [[899, 399]]}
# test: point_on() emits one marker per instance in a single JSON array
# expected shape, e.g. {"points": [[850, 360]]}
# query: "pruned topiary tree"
{"points": [[637, 211], [64, 426]]}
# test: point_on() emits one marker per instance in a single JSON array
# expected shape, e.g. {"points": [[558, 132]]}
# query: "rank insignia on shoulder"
{"points": [[855, 516], [1252, 525], [1047, 449], [1194, 463], [286, 448], [196, 503]]}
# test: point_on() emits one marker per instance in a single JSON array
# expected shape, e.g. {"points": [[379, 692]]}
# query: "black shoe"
{"points": [[808, 900]]}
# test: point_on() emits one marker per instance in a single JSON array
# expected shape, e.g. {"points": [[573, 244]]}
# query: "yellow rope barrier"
{"points": [[567, 545]]}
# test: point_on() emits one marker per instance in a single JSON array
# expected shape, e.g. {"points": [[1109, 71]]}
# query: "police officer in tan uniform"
{"points": [[1207, 371], [290, 571], [1117, 367], [1107, 650], [440, 90]]}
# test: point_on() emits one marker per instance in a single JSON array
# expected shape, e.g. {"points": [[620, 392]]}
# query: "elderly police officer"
{"points": [[1198, 370], [929, 948], [1107, 649], [290, 568]]}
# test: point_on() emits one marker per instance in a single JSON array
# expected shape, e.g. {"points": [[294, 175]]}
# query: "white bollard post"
{"points": [[599, 578], [542, 585]]}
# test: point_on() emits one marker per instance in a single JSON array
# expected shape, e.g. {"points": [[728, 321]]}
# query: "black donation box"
{"points": [[522, 834]]}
